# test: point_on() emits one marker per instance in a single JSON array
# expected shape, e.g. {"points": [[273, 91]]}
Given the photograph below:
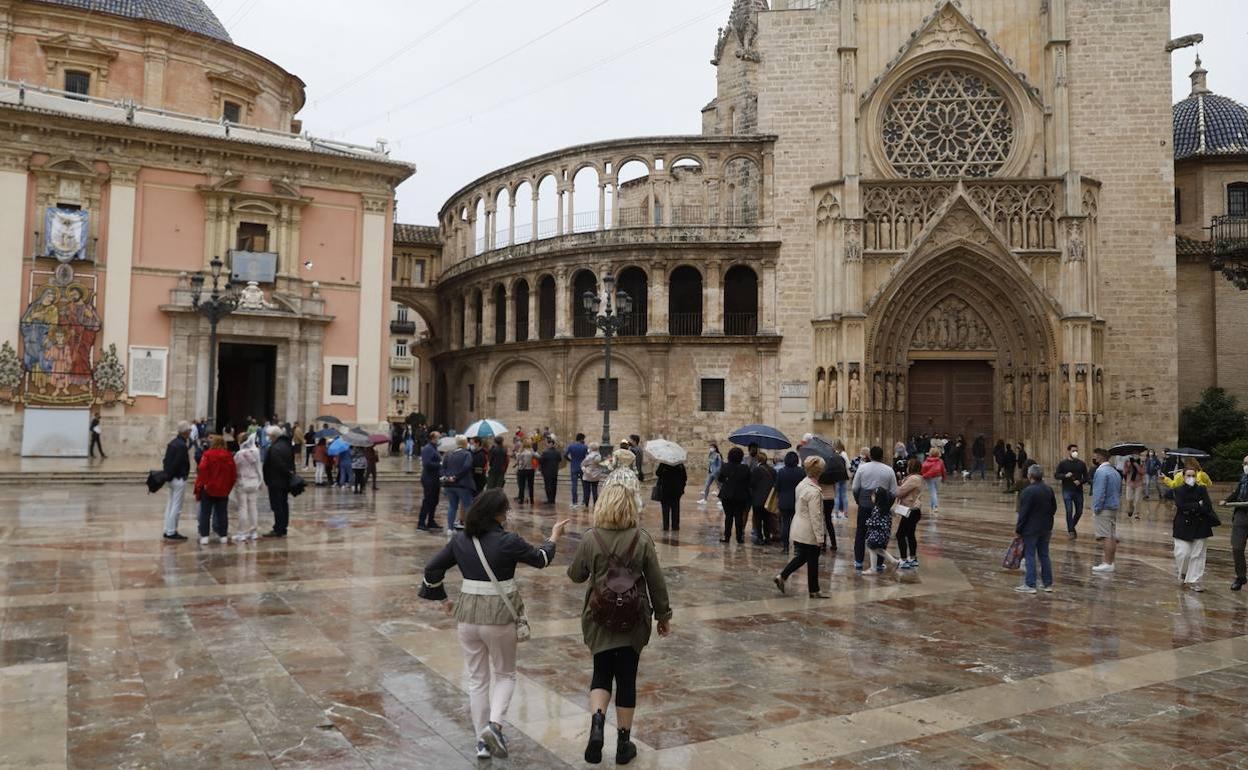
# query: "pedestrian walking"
{"points": [[871, 475], [430, 483], [830, 484], [807, 522], [1009, 461], [497, 464], [634, 446], [626, 588], [880, 528], [1152, 468], [1133, 481], [714, 461], [176, 467], [279, 474], [575, 454], [1239, 528], [249, 475], [359, 469], [480, 460], [490, 609], [94, 437], [762, 481], [909, 492], [1073, 474], [213, 483], [998, 458], [1193, 526], [526, 462], [549, 462], [297, 439], [671, 480], [979, 453], [458, 482], [1037, 506], [933, 470], [838, 471], [592, 474], [370, 469], [734, 494], [1106, 499]]}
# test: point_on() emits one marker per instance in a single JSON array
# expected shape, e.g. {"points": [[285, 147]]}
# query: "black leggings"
{"points": [[807, 554], [828, 507], [906, 544], [618, 664]]}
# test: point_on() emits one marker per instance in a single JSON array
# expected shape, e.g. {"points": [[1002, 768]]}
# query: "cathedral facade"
{"points": [[902, 216]]}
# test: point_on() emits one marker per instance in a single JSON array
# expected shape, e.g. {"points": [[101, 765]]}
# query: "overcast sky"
{"points": [[467, 86]]}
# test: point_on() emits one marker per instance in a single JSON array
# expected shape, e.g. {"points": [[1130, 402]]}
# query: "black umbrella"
{"points": [[765, 436], [1127, 448], [817, 445], [1187, 451], [357, 437], [328, 418]]}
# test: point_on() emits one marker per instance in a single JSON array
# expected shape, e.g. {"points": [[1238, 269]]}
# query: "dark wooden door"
{"points": [[950, 396]]}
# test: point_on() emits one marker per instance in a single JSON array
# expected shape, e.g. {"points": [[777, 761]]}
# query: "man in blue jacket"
{"points": [[177, 466], [1037, 505], [575, 453], [430, 475], [458, 483], [1106, 490]]}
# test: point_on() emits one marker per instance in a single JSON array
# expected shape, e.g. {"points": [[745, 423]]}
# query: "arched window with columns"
{"points": [[583, 324], [684, 302], [740, 301], [478, 317], [633, 281], [520, 310], [500, 314], [546, 308]]}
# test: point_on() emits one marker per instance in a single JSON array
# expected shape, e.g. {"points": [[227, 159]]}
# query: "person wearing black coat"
{"points": [[279, 474], [479, 460], [787, 479], [548, 464], [498, 464], [1037, 505], [1009, 461], [176, 467], [734, 494], [762, 481], [1194, 521], [671, 480], [979, 451]]}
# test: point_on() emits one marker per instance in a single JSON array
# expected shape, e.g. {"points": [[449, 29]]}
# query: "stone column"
{"points": [[373, 334], [120, 260], [470, 319], [511, 220], [656, 314], [533, 229], [563, 304], [532, 311], [767, 300], [559, 208], [490, 226], [155, 57], [13, 186], [487, 317], [712, 300], [509, 330], [602, 206]]}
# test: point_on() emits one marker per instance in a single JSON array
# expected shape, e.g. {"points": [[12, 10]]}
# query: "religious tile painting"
{"points": [[58, 330]]}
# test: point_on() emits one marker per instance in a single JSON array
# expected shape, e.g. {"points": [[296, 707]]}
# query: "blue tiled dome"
{"points": [[1208, 124], [190, 15]]}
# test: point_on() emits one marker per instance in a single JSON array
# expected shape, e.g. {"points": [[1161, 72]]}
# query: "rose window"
{"points": [[947, 123]]}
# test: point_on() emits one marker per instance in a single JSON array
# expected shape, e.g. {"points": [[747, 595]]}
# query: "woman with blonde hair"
{"points": [[626, 588], [807, 529]]}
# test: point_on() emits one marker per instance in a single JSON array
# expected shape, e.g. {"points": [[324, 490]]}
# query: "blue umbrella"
{"points": [[338, 447], [328, 433], [765, 436]]}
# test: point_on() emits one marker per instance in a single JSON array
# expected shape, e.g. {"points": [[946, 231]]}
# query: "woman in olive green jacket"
{"points": [[617, 653]]}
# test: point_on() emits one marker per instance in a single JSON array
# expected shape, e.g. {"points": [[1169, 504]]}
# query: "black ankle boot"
{"points": [[593, 749], [625, 749]]}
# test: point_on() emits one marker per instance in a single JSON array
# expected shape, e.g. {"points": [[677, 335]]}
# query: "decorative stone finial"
{"points": [[1199, 86]]}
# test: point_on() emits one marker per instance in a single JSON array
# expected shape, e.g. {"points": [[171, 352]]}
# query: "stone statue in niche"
{"points": [[901, 393], [832, 396], [1007, 394], [821, 392], [877, 391], [1042, 394], [1081, 391], [888, 392], [855, 394], [1024, 395], [1099, 391], [1065, 386], [952, 325]]}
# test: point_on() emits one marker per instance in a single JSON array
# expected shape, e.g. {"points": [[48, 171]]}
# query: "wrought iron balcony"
{"points": [[1228, 237], [403, 327]]}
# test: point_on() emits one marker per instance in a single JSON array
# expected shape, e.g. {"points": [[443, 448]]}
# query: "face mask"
{"points": [[1074, 455], [1190, 481]]}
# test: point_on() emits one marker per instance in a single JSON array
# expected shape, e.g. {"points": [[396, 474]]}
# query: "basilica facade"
{"points": [[901, 216]]}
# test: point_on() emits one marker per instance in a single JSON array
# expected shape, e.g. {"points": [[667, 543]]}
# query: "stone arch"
{"points": [[633, 401], [503, 396]]}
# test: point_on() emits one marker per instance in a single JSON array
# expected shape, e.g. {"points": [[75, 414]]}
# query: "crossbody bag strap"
{"points": [[486, 563]]}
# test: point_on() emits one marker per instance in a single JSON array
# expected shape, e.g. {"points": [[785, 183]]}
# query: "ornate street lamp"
{"points": [[221, 301], [608, 316]]}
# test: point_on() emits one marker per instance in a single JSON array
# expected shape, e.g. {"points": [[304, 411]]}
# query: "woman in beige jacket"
{"points": [[807, 531]]}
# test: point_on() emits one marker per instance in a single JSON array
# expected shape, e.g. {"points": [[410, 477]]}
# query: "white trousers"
{"points": [[489, 648], [246, 506], [1189, 558], [320, 473], [173, 508]]}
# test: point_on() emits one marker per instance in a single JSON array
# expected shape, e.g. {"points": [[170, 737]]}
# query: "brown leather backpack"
{"points": [[615, 603]]}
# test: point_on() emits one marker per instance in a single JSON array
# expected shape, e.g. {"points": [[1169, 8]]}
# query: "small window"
{"points": [[400, 348], [712, 395], [608, 397], [1178, 206], [522, 395], [1237, 200], [401, 314], [232, 112], [472, 398], [253, 237], [77, 82], [419, 271], [339, 380]]}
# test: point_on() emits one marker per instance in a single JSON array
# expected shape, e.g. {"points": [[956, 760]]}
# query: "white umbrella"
{"points": [[485, 429], [666, 452]]}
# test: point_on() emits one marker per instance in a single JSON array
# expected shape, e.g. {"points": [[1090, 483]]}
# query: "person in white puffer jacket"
{"points": [[247, 488]]}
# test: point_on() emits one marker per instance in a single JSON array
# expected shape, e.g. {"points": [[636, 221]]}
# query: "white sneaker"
{"points": [[203, 541], [240, 538], [483, 751], [1024, 589], [252, 535], [225, 540], [1103, 568]]}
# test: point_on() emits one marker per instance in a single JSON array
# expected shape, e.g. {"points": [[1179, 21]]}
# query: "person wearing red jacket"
{"points": [[933, 472], [213, 483]]}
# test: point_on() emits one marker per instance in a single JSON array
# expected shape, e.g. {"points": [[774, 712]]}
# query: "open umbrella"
{"points": [[326, 433], [447, 444], [666, 452], [337, 447], [819, 446], [1189, 452], [329, 418], [765, 436], [485, 429], [1127, 448], [354, 438], [379, 438]]}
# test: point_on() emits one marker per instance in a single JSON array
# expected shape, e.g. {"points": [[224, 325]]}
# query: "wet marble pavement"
{"points": [[119, 651]]}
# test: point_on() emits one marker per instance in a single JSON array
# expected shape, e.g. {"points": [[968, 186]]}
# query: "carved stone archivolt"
{"points": [[952, 325]]}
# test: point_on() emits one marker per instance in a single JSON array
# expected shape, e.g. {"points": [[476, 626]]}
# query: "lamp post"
{"points": [[221, 301], [610, 312]]}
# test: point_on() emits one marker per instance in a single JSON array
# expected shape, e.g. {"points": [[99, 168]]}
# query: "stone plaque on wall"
{"points": [[795, 389], [147, 371]]}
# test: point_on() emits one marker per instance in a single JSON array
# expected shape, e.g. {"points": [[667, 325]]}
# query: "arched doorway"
{"points": [[962, 342], [632, 280], [740, 301]]}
